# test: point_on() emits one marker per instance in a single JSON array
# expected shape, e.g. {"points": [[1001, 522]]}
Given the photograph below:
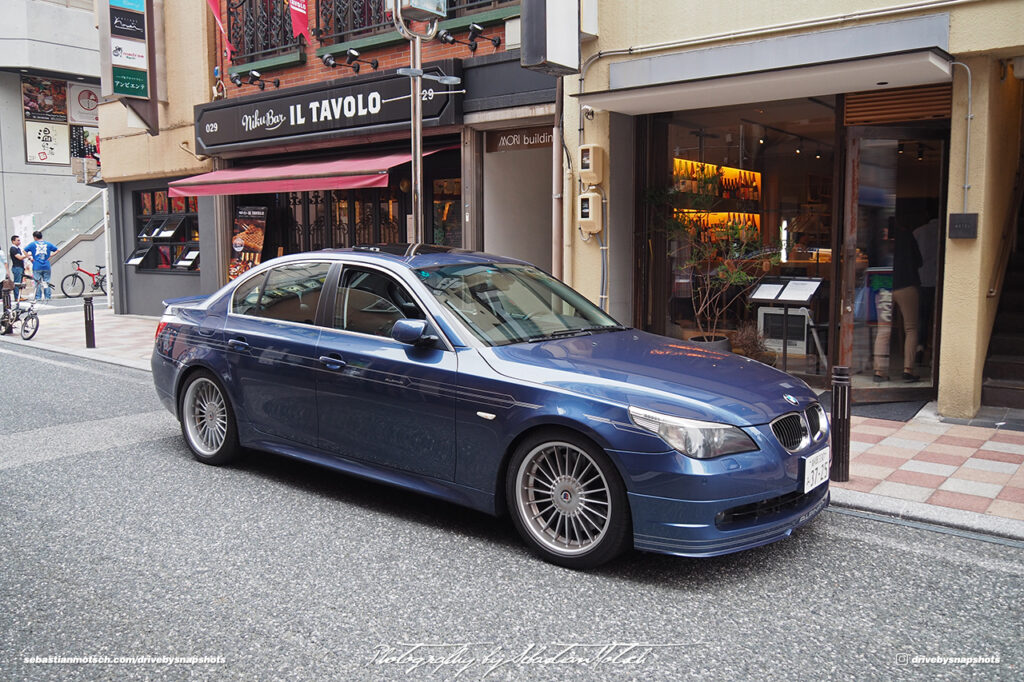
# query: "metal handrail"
{"points": [[260, 28], [341, 20], [68, 223]]}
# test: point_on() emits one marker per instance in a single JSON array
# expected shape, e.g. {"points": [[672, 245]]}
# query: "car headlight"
{"points": [[693, 438]]}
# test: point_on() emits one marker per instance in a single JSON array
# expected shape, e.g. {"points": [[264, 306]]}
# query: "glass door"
{"points": [[892, 261]]}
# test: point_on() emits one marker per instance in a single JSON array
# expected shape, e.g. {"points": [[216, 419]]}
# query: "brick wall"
{"points": [[389, 57]]}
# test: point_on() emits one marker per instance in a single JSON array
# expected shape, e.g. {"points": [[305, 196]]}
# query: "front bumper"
{"points": [[686, 528]]}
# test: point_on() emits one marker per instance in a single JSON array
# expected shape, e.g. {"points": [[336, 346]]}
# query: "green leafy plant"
{"points": [[724, 252]]}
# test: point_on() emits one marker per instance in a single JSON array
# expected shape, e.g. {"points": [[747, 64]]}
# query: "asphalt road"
{"points": [[114, 542]]}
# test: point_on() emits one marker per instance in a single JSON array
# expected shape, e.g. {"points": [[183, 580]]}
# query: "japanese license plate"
{"points": [[816, 469]]}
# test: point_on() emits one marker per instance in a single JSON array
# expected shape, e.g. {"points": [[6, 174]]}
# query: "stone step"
{"points": [[1005, 367], [1006, 343], [1009, 321], [1002, 393]]}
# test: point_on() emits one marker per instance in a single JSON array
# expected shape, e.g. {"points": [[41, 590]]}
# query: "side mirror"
{"points": [[412, 332]]}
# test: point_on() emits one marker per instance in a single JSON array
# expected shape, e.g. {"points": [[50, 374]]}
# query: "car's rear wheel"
{"points": [[207, 420], [567, 500]]}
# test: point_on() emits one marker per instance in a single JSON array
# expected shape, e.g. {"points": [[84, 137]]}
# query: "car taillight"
{"points": [[159, 328]]}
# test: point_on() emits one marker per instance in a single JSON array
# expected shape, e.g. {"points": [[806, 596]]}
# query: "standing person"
{"points": [[40, 250], [8, 285], [18, 259]]}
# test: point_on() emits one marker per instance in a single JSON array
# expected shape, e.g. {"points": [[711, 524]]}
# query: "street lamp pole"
{"points": [[416, 112]]}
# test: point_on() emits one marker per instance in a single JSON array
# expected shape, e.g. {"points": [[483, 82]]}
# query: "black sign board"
{"points": [[351, 106], [963, 225], [127, 24]]}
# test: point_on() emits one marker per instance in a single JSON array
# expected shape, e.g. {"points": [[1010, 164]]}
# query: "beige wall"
{"points": [[968, 312], [131, 153], [981, 33]]}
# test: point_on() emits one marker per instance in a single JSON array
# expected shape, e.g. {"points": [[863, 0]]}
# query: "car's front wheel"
{"points": [[207, 420], [567, 501]]}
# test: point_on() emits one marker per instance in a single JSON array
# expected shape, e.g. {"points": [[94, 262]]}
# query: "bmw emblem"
{"points": [[566, 496], [789, 399]]}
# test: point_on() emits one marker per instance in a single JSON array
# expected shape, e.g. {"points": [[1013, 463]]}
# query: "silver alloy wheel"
{"points": [[205, 415], [563, 498]]}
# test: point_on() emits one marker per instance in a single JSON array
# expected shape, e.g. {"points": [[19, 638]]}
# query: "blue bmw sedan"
{"points": [[486, 382]]}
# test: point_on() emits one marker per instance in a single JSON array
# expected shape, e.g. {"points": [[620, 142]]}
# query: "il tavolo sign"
{"points": [[380, 104]]}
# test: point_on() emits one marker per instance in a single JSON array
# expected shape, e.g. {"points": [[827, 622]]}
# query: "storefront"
{"points": [[329, 166], [839, 188]]}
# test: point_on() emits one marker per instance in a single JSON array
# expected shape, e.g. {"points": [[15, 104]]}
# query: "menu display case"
{"points": [[167, 233]]}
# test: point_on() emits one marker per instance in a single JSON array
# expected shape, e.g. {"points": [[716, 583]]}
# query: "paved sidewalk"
{"points": [[928, 470], [125, 340]]}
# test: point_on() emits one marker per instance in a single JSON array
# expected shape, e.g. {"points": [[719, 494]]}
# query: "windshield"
{"points": [[504, 303]]}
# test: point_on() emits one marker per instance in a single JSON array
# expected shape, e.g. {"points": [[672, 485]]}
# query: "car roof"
{"points": [[416, 256]]}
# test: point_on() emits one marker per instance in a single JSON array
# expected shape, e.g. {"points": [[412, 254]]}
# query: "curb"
{"points": [[84, 354], [928, 513]]}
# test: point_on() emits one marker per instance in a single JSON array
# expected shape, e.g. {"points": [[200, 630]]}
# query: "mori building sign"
{"points": [[318, 112]]}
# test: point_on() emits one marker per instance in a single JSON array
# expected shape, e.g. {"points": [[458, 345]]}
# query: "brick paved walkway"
{"points": [[970, 468]]}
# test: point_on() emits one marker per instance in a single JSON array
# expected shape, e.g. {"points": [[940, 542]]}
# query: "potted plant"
{"points": [[725, 255], [748, 340]]}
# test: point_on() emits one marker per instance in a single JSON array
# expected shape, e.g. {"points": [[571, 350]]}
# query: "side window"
{"points": [[292, 292], [370, 303], [246, 300]]}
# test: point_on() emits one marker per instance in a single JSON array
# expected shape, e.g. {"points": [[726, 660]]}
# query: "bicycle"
{"points": [[27, 317], [73, 285]]}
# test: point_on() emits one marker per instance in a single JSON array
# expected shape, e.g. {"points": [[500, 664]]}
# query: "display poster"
{"points": [[247, 239], [44, 99], [83, 104], [83, 142], [47, 143]]}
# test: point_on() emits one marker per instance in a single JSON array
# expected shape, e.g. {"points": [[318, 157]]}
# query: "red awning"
{"points": [[351, 172]]}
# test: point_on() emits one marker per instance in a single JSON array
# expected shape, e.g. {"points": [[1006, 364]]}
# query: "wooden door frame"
{"points": [[842, 352]]}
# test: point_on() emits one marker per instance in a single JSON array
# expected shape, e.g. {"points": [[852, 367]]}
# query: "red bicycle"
{"points": [[73, 285]]}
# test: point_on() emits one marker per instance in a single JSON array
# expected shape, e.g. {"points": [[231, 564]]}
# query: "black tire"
{"points": [[582, 481], [200, 431], [5, 327], [101, 282], [72, 285], [29, 326]]}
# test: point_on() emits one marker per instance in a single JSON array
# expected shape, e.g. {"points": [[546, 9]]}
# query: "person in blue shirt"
{"points": [[40, 251]]}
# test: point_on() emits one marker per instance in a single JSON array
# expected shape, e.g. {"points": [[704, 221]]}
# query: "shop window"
{"points": [[739, 196], [447, 199], [260, 29], [166, 232]]}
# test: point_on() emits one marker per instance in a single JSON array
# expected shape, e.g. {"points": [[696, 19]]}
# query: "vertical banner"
{"points": [[215, 8], [247, 239], [300, 20]]}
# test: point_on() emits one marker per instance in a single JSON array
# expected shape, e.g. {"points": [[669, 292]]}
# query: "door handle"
{"points": [[332, 361], [238, 345]]}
